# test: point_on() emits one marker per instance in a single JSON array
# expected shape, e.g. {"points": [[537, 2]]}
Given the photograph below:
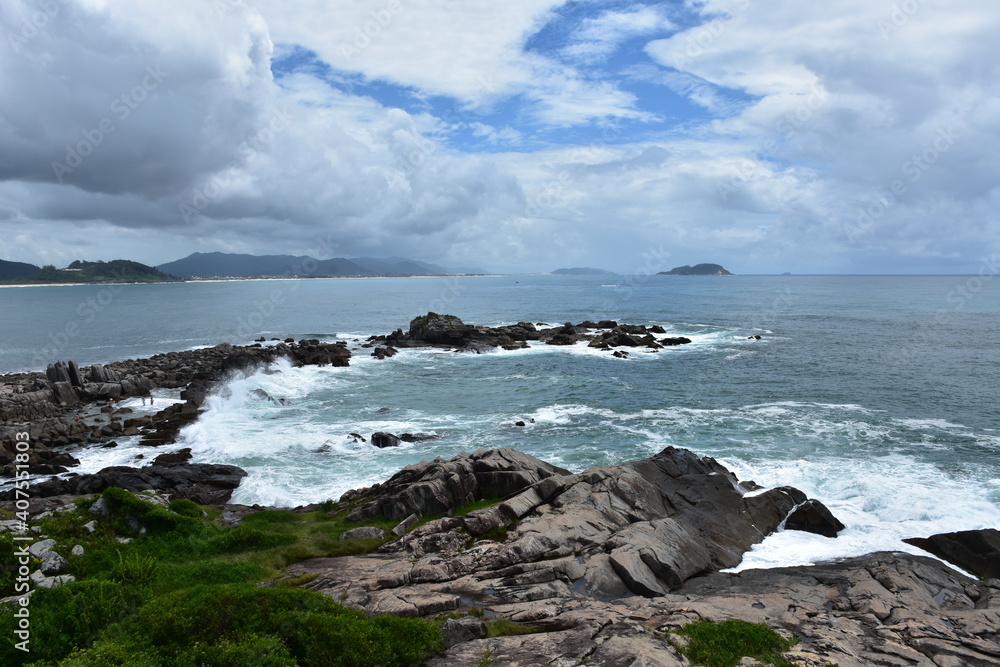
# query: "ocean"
{"points": [[875, 394]]}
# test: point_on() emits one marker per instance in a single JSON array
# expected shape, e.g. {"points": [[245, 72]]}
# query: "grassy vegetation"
{"points": [[503, 627], [725, 643], [462, 510], [184, 592]]}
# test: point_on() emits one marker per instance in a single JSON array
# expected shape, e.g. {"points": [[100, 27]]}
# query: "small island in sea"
{"points": [[115, 271], [696, 270], [489, 557]]}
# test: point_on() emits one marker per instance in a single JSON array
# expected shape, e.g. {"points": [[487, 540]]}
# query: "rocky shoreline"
{"points": [[68, 406], [600, 565]]}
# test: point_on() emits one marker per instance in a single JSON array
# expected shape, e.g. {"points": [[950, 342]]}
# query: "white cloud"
{"points": [[599, 37], [814, 111]]}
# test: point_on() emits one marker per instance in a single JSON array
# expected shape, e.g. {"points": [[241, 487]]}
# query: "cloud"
{"points": [[510, 135], [600, 36]]}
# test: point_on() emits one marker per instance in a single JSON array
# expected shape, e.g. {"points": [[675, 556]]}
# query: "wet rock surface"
{"points": [[605, 563], [47, 405], [205, 483], [451, 332]]}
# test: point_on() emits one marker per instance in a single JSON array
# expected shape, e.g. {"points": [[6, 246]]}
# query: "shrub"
{"points": [[185, 507], [135, 569], [254, 649], [153, 517], [68, 617]]}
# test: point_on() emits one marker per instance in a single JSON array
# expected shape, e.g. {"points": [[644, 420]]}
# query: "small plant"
{"points": [[502, 627], [135, 569], [725, 643], [328, 506], [185, 507], [295, 582], [462, 510], [487, 658]]}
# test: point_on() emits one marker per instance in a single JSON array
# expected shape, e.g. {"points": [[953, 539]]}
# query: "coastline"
{"points": [[597, 562]]}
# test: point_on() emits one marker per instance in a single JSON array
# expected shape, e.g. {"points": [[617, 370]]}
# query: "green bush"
{"points": [[725, 643], [222, 625], [152, 517], [135, 569], [185, 507], [68, 617], [253, 649]]}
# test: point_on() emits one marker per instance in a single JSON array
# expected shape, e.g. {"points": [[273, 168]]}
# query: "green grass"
{"points": [[462, 510], [184, 592], [503, 627], [725, 643]]}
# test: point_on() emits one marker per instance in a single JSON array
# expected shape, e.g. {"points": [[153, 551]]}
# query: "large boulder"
{"points": [[814, 517], [439, 486], [975, 551], [439, 329]]}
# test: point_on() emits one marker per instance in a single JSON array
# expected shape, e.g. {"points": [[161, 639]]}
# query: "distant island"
{"points": [[583, 271], [696, 270], [234, 265], [115, 271]]}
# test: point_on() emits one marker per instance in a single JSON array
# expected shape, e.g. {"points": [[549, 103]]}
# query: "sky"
{"points": [[851, 136]]}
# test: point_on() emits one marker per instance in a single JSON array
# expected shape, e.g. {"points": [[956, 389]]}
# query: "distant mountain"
{"points": [[583, 271], [696, 270], [12, 270], [115, 271], [232, 265], [396, 266]]}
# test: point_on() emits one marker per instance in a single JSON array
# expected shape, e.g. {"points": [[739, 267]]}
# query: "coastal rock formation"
{"points": [[205, 483], [613, 531], [449, 331], [975, 551], [45, 405], [605, 563]]}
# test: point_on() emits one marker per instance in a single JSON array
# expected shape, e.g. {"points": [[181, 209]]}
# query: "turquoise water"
{"points": [[874, 394]]}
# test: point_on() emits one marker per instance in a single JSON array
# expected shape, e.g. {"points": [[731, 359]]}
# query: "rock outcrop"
{"points": [[205, 483], [45, 405], [975, 551], [449, 331], [613, 531], [605, 563]]}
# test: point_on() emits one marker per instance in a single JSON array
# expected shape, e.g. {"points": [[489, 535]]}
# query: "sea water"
{"points": [[874, 394]]}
